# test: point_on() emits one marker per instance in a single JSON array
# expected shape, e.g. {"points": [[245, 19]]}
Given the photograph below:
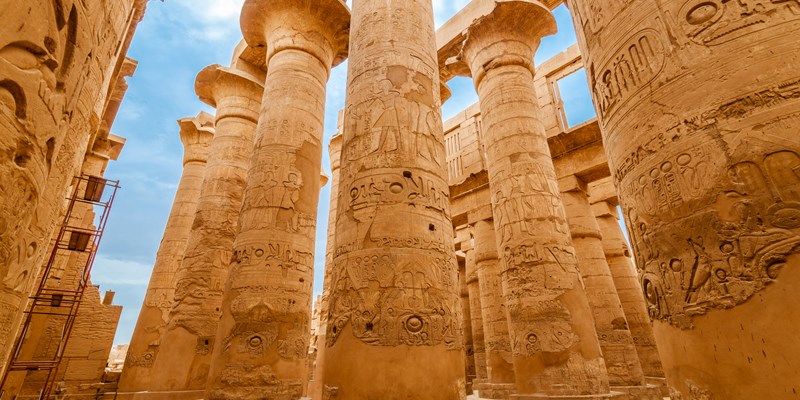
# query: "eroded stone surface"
{"points": [[264, 330], [395, 305], [698, 103]]}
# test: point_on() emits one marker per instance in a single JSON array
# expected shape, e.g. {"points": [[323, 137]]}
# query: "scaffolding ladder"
{"points": [[54, 305]]}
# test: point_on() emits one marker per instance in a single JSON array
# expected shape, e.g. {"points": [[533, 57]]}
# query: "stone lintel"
{"points": [[603, 190], [571, 183]]}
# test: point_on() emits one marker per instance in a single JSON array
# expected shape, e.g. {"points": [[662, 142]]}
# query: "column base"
{"points": [[495, 390], [611, 395], [660, 382], [646, 392], [176, 395]]}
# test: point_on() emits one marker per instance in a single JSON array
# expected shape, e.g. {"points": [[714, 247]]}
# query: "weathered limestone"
{"points": [[500, 379], [616, 341], [554, 343], [476, 317], [196, 134], [267, 304], [335, 152], [56, 69], [469, 347], [183, 358], [626, 281], [698, 101], [395, 309]]}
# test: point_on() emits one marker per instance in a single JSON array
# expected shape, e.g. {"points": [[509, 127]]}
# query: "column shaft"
{"points": [[629, 290], [499, 360], [615, 337], [698, 105], [395, 325], [476, 319], [268, 298], [154, 314], [469, 347], [184, 354]]}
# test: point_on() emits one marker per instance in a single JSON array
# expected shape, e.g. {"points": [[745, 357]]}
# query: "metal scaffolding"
{"points": [[53, 306]]}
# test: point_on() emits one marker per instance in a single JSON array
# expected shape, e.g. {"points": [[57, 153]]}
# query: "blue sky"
{"points": [[176, 40]]}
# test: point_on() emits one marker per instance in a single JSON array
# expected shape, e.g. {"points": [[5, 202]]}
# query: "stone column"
{"points": [[266, 312], [469, 347], [476, 318], [554, 343], [395, 325], [622, 362], [500, 377], [628, 288], [196, 135], [335, 152], [184, 354], [698, 104]]}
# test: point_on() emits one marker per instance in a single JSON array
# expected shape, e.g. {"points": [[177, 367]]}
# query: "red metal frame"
{"points": [[51, 301]]}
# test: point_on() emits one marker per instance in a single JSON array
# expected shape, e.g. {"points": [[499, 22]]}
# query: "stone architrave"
{"points": [[698, 102], [626, 281], [554, 343], [476, 317], [394, 330], [500, 379], [619, 352], [183, 358], [196, 134], [335, 151], [266, 312]]}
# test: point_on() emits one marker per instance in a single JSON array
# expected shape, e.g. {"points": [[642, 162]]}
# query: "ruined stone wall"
{"points": [[58, 59]]}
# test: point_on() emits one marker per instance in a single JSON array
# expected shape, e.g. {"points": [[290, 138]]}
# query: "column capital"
{"points": [[498, 33], [196, 134], [335, 151], [319, 27], [215, 84], [572, 183]]}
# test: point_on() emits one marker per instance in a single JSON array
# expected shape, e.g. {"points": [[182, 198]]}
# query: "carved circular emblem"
{"points": [[684, 159], [148, 356], [259, 253], [532, 338], [396, 188], [414, 324], [255, 341], [785, 216], [650, 292], [702, 13]]}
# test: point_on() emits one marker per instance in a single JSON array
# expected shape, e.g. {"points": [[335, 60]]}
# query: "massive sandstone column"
{"points": [[469, 347], [395, 326], [196, 134], [616, 341], [266, 312], [500, 377], [554, 343], [698, 102], [184, 356], [626, 281], [476, 317], [335, 151]]}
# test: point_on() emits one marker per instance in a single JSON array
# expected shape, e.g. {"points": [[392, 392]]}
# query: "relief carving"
{"points": [[713, 22]]}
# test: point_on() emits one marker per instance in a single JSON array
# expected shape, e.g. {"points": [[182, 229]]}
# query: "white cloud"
{"points": [[109, 272]]}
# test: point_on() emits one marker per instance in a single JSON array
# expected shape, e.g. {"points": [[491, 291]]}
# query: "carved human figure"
{"points": [[554, 345], [389, 310], [711, 220], [196, 134], [266, 312]]}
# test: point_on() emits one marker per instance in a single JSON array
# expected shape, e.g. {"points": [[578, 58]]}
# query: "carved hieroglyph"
{"points": [[196, 134], [264, 331], [626, 282], [553, 339], [615, 337], [183, 356], [500, 377], [335, 151], [699, 104], [56, 61], [395, 309], [476, 316]]}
